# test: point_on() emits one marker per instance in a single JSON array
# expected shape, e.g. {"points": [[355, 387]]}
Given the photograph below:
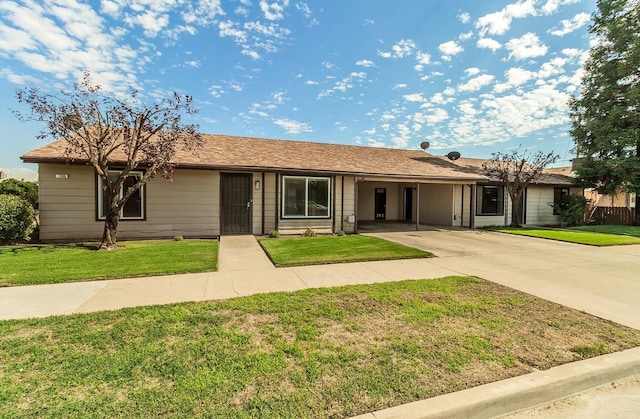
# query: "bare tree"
{"points": [[115, 134], [516, 170]]}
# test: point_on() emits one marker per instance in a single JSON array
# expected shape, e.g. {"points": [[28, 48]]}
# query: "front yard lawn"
{"points": [[53, 263], [573, 236], [611, 229], [295, 251], [333, 352]]}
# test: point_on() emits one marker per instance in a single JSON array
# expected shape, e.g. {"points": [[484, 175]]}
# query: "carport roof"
{"points": [[224, 152]]}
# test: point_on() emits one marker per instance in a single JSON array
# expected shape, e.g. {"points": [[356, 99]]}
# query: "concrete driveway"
{"points": [[603, 281]]}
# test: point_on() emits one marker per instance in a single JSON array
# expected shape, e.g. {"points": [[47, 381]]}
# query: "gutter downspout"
{"points": [[263, 188], [417, 206], [342, 204], [355, 205], [472, 207]]}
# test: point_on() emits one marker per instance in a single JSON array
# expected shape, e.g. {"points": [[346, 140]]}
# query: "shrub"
{"points": [[309, 233], [571, 209], [273, 234], [178, 238], [16, 218], [22, 188]]}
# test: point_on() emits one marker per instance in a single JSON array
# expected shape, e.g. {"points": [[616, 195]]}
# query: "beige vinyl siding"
{"points": [[349, 203], [67, 206], [366, 200], [270, 202], [466, 202], [538, 210], [436, 204], [187, 206]]}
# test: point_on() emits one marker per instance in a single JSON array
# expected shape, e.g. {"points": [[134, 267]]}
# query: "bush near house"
{"points": [[16, 218]]}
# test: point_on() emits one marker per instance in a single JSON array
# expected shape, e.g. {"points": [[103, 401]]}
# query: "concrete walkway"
{"points": [[602, 281]]}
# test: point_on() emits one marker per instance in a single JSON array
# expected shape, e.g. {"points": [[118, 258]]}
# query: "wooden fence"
{"points": [[612, 215]]}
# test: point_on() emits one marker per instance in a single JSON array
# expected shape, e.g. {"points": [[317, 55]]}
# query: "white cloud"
{"points": [[472, 71], [464, 17], [437, 115], [449, 49], [365, 63], [293, 127], [515, 77], [498, 23], [465, 36], [489, 43], [275, 10], [476, 83], [570, 25], [345, 84], [403, 48], [400, 86], [551, 6], [527, 46], [20, 173], [414, 97]]}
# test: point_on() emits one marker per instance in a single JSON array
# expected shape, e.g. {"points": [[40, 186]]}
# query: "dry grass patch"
{"points": [[314, 353]]}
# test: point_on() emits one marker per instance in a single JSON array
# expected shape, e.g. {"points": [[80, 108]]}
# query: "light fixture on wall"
{"points": [[256, 184]]}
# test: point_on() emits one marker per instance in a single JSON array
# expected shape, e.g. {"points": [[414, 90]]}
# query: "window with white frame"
{"points": [[133, 209], [490, 200], [559, 199], [305, 197]]}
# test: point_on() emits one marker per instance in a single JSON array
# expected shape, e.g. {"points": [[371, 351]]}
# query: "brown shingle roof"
{"points": [[235, 153], [559, 176]]}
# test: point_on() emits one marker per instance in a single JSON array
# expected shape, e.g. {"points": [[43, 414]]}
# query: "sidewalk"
{"points": [[244, 270]]}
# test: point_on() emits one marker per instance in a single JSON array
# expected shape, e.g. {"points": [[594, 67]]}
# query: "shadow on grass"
{"points": [[45, 248]]}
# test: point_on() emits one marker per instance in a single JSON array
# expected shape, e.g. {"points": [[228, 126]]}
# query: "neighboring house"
{"points": [[620, 199], [493, 206], [238, 185]]}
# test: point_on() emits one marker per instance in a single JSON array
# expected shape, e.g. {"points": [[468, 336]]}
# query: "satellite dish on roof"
{"points": [[453, 156], [424, 145]]}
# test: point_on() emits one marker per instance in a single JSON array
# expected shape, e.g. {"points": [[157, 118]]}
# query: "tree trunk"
{"points": [[112, 217], [516, 211], [636, 221]]}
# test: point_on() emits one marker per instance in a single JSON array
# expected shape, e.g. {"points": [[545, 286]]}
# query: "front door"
{"points": [[381, 203], [408, 204], [235, 203]]}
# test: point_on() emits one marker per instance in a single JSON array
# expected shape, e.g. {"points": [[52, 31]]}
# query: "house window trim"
{"points": [[99, 198], [561, 188], [501, 208], [305, 217]]}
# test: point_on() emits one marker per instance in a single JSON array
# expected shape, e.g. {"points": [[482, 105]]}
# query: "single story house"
{"points": [[240, 185]]}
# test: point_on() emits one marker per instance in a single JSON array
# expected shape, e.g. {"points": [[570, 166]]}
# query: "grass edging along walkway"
{"points": [[297, 251], [610, 229], [331, 352], [572, 236], [54, 263]]}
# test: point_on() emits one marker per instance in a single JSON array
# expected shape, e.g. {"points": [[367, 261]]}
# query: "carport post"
{"points": [[417, 207]]}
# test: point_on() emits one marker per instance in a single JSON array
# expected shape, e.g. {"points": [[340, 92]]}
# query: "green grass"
{"points": [[334, 249], [573, 236], [332, 352], [611, 229], [54, 263]]}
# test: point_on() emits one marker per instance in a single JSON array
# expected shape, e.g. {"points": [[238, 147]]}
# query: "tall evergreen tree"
{"points": [[606, 116]]}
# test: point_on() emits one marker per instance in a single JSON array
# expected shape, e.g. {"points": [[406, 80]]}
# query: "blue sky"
{"points": [[470, 76]]}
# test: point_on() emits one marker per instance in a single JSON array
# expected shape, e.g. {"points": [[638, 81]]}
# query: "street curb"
{"points": [[523, 392]]}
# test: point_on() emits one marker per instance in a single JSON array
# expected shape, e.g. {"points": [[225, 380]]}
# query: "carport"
{"points": [[410, 204]]}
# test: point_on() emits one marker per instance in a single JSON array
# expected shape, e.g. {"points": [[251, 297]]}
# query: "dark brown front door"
{"points": [[381, 203], [235, 202]]}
